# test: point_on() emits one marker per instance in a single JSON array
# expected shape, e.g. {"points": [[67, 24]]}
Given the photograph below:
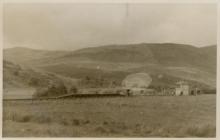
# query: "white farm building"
{"points": [[184, 89]]}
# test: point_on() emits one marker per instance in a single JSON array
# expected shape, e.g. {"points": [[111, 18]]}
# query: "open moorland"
{"points": [[42, 73], [137, 116]]}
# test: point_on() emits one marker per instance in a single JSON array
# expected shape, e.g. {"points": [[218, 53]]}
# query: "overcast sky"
{"points": [[74, 26]]}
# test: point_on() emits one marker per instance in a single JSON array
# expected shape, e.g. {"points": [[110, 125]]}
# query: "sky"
{"points": [[70, 26]]}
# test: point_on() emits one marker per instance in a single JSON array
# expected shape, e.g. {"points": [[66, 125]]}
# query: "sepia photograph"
{"points": [[109, 70]]}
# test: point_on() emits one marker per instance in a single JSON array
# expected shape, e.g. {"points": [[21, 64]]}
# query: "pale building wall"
{"points": [[178, 91], [184, 89]]}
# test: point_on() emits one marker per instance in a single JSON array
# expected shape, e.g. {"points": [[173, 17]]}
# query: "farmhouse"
{"points": [[184, 89]]}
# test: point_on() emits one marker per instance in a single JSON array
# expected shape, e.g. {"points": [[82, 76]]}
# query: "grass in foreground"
{"points": [[140, 116]]}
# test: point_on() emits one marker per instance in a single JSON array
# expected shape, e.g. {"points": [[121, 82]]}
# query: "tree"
{"points": [[51, 91], [73, 89], [33, 82]]}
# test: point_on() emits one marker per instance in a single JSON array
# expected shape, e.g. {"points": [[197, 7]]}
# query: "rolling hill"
{"points": [[115, 62], [26, 56], [19, 82]]}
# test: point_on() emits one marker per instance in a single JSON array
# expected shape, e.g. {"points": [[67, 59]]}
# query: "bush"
{"points": [[73, 89], [25, 118], [33, 82], [75, 122], [50, 91], [202, 131], [16, 73]]}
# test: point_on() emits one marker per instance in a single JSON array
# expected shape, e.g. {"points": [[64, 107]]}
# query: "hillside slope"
{"points": [[26, 56], [176, 61], [19, 82], [160, 54]]}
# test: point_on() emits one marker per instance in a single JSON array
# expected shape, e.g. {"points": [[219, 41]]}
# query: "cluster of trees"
{"points": [[55, 88], [51, 90], [92, 82]]}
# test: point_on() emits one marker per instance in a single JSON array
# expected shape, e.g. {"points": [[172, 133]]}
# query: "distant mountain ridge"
{"points": [[162, 54]]}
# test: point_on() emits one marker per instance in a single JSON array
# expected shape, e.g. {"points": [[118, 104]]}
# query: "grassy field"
{"points": [[140, 116]]}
